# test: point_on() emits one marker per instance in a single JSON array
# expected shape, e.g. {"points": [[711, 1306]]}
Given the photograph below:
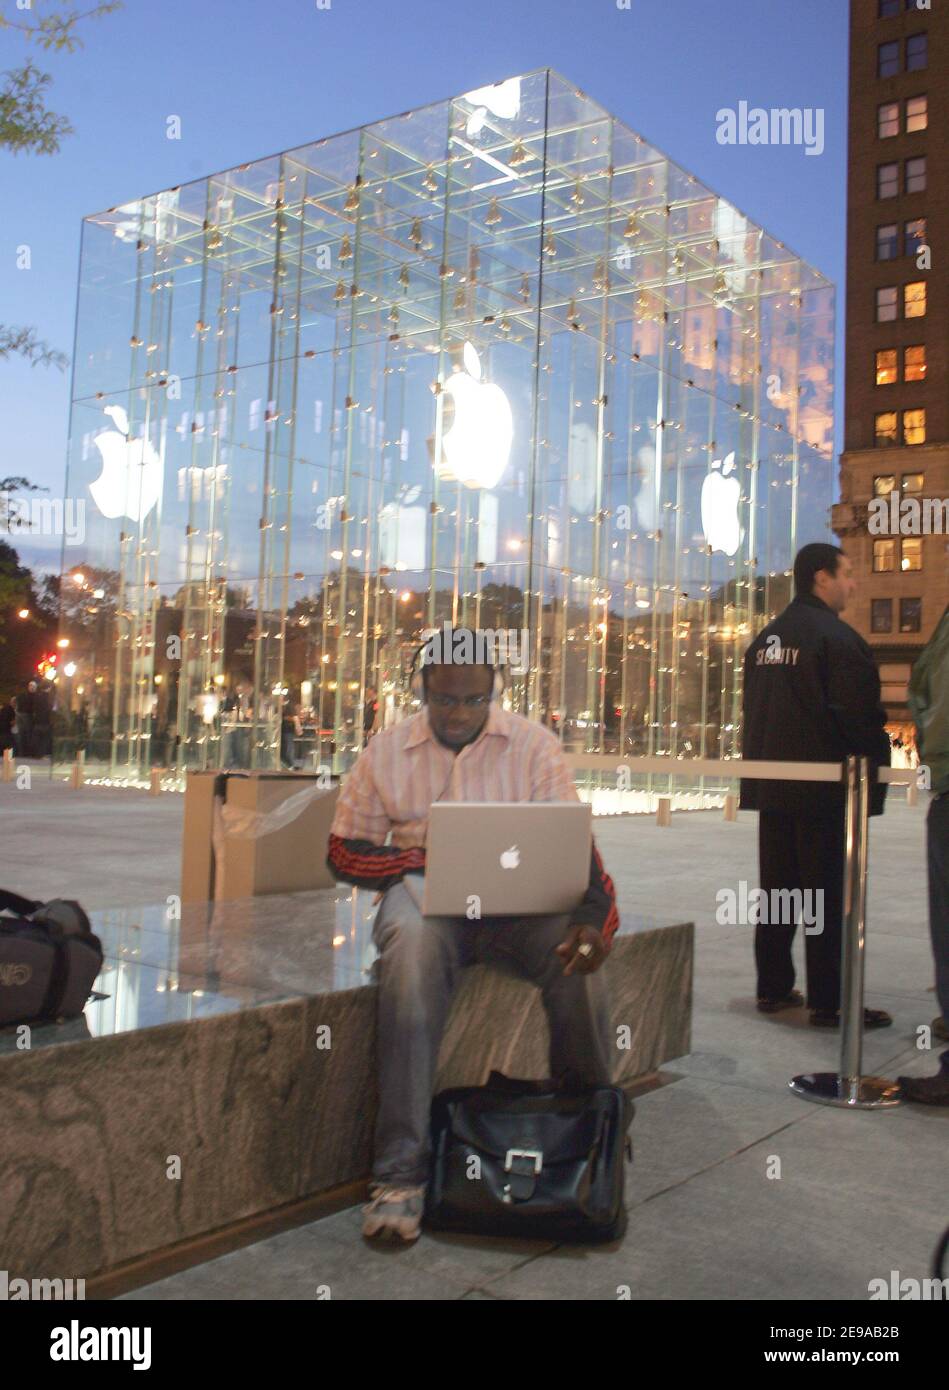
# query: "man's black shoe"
{"points": [[940, 1027], [925, 1090], [872, 1018], [794, 1000]]}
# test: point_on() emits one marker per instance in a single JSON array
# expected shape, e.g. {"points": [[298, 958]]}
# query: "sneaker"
{"points": [[393, 1212], [829, 1018], [794, 1000]]}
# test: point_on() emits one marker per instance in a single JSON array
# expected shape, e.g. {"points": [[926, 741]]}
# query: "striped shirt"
{"points": [[389, 791]]}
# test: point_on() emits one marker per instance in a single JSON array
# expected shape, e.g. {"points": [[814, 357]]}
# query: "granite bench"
{"points": [[229, 1071]]}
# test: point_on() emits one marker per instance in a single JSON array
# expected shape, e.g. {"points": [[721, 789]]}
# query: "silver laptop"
{"points": [[519, 858]]}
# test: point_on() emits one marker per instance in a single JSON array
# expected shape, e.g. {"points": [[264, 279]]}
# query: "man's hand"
{"points": [[584, 962]]}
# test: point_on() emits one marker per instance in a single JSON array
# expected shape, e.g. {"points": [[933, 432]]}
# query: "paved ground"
{"points": [[858, 1194]]}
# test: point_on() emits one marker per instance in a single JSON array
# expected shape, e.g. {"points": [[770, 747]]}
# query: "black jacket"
{"points": [[812, 695]]}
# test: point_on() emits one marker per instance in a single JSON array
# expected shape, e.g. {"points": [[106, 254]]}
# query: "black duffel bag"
{"points": [[49, 959], [527, 1158]]}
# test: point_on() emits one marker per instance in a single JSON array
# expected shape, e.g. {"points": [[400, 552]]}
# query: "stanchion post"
{"points": [[8, 765], [664, 811], [847, 1087], [731, 806]]}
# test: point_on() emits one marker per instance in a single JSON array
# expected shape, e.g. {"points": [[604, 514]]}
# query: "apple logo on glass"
{"points": [[130, 481], [478, 444], [720, 494], [511, 858]]}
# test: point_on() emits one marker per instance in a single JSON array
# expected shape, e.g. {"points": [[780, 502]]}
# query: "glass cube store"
{"points": [[496, 361]]}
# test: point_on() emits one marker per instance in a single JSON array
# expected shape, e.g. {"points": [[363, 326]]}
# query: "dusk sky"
{"points": [[249, 79]]}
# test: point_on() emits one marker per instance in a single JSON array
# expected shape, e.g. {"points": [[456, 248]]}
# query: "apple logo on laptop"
{"points": [[511, 858]]}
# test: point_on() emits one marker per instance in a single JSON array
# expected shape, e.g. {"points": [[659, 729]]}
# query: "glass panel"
{"points": [[886, 304], [915, 235], [911, 614], [911, 557], [888, 180], [886, 369], [888, 59], [888, 242], [885, 427], [914, 300], [915, 52], [914, 427], [888, 119], [881, 615], [916, 175], [883, 484], [913, 482], [916, 114], [914, 363], [884, 556]]}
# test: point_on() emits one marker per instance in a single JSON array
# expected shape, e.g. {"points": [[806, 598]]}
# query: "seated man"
{"points": [[461, 746]]}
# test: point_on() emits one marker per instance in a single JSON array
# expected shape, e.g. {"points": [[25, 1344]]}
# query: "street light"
{"points": [[23, 613]]}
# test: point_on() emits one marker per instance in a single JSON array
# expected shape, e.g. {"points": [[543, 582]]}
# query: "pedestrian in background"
{"points": [[929, 704]]}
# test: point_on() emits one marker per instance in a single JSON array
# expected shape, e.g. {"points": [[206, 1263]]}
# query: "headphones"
{"points": [[416, 678]]}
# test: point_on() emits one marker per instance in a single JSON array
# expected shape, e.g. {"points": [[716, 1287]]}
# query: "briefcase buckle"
{"points": [[535, 1154]]}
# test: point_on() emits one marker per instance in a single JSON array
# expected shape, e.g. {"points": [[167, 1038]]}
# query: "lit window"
{"points": [[914, 363], [917, 114], [888, 180], [884, 556], [914, 427], [916, 175], [915, 236], [888, 119], [885, 428], [886, 304], [914, 300], [881, 615], [884, 484], [911, 614], [888, 59], [886, 367], [915, 53], [888, 242], [911, 556], [913, 482]]}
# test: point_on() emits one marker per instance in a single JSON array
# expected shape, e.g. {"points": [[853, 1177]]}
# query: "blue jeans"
{"points": [[418, 967]]}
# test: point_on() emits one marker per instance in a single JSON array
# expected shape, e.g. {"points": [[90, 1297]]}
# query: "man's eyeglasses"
{"points": [[450, 701]]}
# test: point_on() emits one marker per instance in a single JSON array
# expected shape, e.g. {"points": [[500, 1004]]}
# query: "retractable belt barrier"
{"points": [[847, 1087]]}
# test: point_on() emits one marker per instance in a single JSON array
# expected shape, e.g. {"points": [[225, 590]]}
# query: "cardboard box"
{"points": [[290, 859]]}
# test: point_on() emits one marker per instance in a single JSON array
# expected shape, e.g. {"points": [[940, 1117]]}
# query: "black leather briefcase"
{"points": [[526, 1158], [49, 959]]}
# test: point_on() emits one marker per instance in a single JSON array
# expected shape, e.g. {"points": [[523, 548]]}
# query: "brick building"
{"points": [[895, 465]]}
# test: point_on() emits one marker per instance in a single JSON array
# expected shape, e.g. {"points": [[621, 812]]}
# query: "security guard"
{"points": [[811, 694]]}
